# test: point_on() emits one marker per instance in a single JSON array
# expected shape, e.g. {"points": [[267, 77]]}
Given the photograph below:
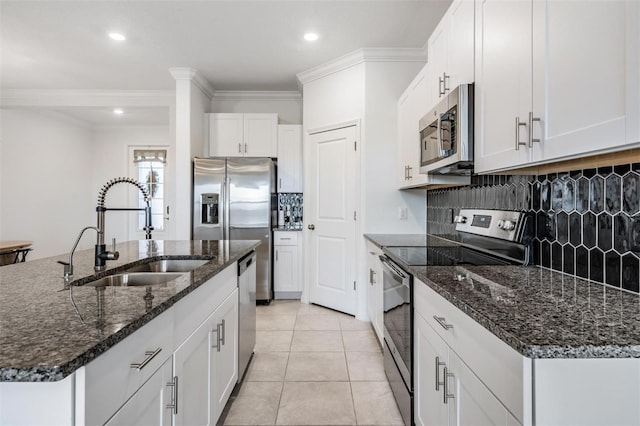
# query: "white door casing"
{"points": [[333, 177]]}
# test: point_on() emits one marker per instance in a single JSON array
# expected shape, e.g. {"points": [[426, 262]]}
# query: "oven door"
{"points": [[397, 316], [430, 144]]}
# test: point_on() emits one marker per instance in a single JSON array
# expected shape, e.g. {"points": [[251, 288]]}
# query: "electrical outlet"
{"points": [[402, 213]]}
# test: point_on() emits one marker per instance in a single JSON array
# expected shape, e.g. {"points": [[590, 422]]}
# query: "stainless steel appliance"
{"points": [[246, 311], [446, 134], [235, 199], [483, 237]]}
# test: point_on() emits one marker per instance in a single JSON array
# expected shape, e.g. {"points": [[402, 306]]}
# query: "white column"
{"points": [[193, 100]]}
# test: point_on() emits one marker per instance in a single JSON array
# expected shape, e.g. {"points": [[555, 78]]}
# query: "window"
{"points": [[150, 165]]}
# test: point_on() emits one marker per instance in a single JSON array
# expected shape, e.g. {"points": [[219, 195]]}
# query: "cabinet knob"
{"points": [[311, 227]]}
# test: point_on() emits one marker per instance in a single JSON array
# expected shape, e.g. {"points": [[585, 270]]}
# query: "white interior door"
{"points": [[333, 182]]}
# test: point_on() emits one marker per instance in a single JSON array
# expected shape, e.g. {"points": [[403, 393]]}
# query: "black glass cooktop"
{"points": [[445, 256]]}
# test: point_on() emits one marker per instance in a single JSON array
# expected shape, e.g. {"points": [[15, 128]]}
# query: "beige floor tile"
{"points": [[374, 404], [317, 341], [360, 341], [316, 367], [275, 322], [317, 322], [273, 341], [365, 366], [267, 367], [280, 307], [256, 404], [352, 324], [316, 403]]}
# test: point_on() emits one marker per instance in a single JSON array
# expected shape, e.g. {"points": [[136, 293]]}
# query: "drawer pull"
{"points": [[223, 331], [438, 364], [442, 322], [149, 356], [174, 395], [283, 238], [445, 393]]}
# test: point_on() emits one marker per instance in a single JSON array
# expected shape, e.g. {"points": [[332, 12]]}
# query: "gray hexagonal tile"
{"points": [[582, 262], [605, 232], [562, 227], [596, 194], [613, 186], [621, 233], [596, 265], [589, 231], [612, 268], [631, 272], [630, 189], [582, 195], [575, 229]]}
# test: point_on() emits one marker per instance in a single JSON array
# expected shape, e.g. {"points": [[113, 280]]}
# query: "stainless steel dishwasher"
{"points": [[246, 311]]}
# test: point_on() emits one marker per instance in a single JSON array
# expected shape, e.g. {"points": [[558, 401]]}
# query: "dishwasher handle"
{"points": [[246, 262]]}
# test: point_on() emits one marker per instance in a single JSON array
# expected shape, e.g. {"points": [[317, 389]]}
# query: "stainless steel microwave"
{"points": [[446, 135]]}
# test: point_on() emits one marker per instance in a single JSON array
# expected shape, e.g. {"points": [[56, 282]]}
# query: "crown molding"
{"points": [[185, 73], [55, 98], [240, 95], [361, 56]]}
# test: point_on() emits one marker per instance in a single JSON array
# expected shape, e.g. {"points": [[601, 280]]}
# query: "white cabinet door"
{"points": [[471, 403], [148, 406], [374, 290], [503, 83], [260, 135], [460, 43], [437, 46], [192, 365], [285, 270], [226, 135], [289, 158], [224, 359], [581, 76], [430, 359]]}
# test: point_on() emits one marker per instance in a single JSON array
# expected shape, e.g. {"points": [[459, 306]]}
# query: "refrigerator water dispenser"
{"points": [[209, 206]]}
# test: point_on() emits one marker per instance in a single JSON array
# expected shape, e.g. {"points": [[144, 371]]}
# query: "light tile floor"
{"points": [[313, 366]]}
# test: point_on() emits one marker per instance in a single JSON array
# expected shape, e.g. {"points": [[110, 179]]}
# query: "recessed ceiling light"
{"points": [[117, 36], [311, 36], [118, 111]]}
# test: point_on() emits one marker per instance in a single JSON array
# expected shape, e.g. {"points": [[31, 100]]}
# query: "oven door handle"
{"points": [[392, 268]]}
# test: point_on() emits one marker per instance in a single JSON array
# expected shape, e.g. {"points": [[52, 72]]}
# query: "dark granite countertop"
{"points": [[538, 312], [42, 335], [287, 228]]}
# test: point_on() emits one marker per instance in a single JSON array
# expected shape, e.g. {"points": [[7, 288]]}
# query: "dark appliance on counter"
{"points": [[483, 237], [235, 199], [446, 135]]}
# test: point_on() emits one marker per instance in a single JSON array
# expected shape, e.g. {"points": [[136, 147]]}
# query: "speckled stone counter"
{"points": [[538, 312], [287, 228], [397, 240], [47, 332]]}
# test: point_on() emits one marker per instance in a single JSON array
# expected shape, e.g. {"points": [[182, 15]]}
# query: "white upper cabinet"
{"points": [[243, 135], [289, 158], [554, 80], [451, 51]]}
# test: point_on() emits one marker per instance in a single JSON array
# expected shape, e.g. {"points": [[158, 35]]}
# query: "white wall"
{"points": [[288, 108], [385, 82], [46, 193], [111, 159]]}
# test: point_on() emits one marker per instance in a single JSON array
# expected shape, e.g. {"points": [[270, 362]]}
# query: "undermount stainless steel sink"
{"points": [[135, 279], [168, 265]]}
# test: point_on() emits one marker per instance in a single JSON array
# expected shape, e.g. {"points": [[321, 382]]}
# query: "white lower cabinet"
{"points": [[287, 273], [152, 404], [374, 290], [206, 366]]}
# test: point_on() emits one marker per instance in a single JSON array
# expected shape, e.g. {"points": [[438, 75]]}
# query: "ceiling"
{"points": [[235, 45]]}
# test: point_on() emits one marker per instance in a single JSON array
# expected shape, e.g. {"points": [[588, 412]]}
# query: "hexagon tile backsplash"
{"points": [[587, 221]]}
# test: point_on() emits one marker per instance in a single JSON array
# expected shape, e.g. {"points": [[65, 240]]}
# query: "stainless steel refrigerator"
{"points": [[235, 199]]}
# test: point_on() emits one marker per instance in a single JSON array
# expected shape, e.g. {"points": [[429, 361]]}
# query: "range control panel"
{"points": [[502, 224]]}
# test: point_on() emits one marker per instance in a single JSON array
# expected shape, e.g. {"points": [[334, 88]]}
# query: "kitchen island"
{"points": [[520, 344], [52, 337]]}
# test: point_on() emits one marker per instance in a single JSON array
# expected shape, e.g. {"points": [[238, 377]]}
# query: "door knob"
{"points": [[312, 227]]}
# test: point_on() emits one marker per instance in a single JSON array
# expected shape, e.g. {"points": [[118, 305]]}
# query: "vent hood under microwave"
{"points": [[446, 135]]}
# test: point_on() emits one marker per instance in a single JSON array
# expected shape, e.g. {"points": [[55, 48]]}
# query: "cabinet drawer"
{"points": [[110, 379], [285, 238], [496, 364]]}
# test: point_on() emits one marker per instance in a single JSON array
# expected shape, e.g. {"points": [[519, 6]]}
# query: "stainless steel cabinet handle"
{"points": [[285, 238], [409, 168], [280, 183], [531, 120], [276, 255], [444, 82], [245, 148], [149, 356], [240, 148], [442, 322], [438, 364], [224, 327], [216, 340], [518, 124], [445, 392], [440, 87], [174, 395], [311, 227], [371, 274]]}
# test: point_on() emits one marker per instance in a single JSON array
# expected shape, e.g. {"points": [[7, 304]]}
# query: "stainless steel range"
{"points": [[483, 237]]}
